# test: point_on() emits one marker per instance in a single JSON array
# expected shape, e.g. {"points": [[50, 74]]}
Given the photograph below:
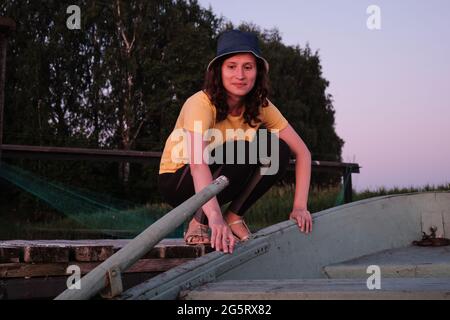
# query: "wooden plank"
{"points": [[27, 270], [37, 254], [186, 251], [50, 287], [41, 152], [322, 289], [98, 250], [9, 254], [155, 253], [92, 253], [115, 243]]}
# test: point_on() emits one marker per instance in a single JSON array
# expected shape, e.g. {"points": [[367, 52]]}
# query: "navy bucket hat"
{"points": [[235, 41]]}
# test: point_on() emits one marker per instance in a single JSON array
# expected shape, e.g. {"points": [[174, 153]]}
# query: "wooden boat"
{"points": [[339, 260], [360, 250]]}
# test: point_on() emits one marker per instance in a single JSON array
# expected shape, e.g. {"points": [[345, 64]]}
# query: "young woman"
{"points": [[233, 100]]}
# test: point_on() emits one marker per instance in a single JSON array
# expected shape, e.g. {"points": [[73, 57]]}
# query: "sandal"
{"points": [[244, 238], [196, 235]]}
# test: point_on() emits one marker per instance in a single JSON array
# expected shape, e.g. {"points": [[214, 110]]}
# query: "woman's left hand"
{"points": [[303, 218]]}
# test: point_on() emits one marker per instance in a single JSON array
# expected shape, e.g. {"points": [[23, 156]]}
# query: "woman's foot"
{"points": [[238, 226], [197, 233]]}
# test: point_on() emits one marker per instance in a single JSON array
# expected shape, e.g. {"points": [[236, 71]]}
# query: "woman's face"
{"points": [[239, 74]]}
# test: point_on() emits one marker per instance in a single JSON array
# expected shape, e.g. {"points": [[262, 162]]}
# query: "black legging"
{"points": [[246, 184]]}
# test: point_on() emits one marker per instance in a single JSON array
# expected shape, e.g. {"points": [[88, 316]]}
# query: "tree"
{"points": [[120, 82]]}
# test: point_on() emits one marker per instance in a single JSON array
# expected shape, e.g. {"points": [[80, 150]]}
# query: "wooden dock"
{"points": [[37, 269]]}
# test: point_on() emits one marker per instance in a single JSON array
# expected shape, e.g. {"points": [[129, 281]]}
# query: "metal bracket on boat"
{"points": [[430, 240], [204, 278], [114, 285], [227, 263], [197, 272]]}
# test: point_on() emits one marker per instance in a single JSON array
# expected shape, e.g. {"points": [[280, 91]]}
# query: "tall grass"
{"points": [[396, 190], [276, 205], [102, 224], [272, 208]]}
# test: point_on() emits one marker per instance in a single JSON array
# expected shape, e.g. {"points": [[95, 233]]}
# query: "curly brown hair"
{"points": [[257, 97]]}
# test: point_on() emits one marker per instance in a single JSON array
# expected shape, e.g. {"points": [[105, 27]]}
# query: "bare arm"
{"points": [[201, 174], [299, 212], [221, 236]]}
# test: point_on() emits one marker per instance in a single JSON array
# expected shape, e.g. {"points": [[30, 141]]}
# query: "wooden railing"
{"points": [[39, 152]]}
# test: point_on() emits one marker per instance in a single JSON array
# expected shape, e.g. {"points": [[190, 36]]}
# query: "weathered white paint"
{"points": [[282, 252]]}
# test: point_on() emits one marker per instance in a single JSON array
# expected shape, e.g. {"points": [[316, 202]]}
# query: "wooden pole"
{"points": [[97, 279], [347, 185]]}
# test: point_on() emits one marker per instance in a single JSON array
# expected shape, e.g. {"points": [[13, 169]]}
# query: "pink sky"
{"points": [[391, 87]]}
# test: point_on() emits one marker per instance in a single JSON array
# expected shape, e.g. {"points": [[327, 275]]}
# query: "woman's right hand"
{"points": [[222, 239]]}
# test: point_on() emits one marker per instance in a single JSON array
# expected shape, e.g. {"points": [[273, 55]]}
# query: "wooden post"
{"points": [[96, 280], [347, 185], [6, 26]]}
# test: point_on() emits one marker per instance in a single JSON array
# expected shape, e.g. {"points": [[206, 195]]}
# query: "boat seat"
{"points": [[410, 262], [322, 289]]}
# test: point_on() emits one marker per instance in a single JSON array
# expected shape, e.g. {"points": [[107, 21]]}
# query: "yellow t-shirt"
{"points": [[198, 114]]}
